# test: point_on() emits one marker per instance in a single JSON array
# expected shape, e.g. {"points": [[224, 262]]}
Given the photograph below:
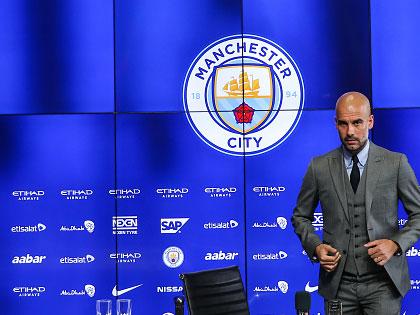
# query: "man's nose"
{"points": [[350, 130]]}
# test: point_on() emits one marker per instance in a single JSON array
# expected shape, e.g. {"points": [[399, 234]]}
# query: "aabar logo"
{"points": [[116, 292], [28, 259], [413, 252], [221, 255]]}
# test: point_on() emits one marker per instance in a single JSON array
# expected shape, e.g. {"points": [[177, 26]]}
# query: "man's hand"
{"points": [[381, 250], [328, 257]]}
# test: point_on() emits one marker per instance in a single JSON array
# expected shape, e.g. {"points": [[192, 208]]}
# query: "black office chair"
{"points": [[215, 292]]}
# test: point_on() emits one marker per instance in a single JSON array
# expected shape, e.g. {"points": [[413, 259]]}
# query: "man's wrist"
{"points": [[398, 252]]}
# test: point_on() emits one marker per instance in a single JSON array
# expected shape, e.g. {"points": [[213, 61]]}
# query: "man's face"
{"points": [[353, 121]]}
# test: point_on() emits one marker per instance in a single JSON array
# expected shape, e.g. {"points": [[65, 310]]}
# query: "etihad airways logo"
{"points": [[124, 193], [268, 191], [88, 226], [76, 194], [28, 228], [172, 192], [231, 224], [270, 256], [281, 222], [126, 258], [220, 192], [88, 290], [28, 195], [116, 292], [77, 260], [29, 291]]}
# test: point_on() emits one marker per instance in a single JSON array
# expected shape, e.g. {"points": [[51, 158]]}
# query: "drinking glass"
{"points": [[123, 307], [103, 307]]}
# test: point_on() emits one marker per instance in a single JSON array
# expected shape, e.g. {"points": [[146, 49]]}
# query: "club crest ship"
{"points": [[243, 95]]}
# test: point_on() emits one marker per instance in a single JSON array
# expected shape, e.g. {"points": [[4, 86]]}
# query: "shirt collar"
{"points": [[362, 156]]}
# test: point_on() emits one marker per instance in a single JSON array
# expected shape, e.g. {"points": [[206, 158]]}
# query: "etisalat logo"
{"points": [[282, 286], [268, 191], [402, 222], [172, 192], [270, 256], [87, 259], [220, 192], [29, 291], [126, 258], [318, 222], [28, 259], [125, 225], [281, 222], [243, 94], [76, 194], [88, 290], [88, 226], [28, 228], [172, 225], [231, 224], [28, 195], [124, 193]]}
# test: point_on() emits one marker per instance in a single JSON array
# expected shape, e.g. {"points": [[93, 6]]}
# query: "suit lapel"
{"points": [[373, 171], [336, 165]]}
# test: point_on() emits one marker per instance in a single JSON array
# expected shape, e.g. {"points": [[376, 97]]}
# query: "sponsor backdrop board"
{"points": [[155, 45], [56, 57], [390, 134], [332, 52], [220, 106], [395, 51], [56, 212]]}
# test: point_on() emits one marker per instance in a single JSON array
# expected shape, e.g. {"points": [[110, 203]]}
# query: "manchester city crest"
{"points": [[243, 95]]}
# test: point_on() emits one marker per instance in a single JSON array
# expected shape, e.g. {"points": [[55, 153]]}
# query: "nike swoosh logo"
{"points": [[310, 289], [116, 292]]}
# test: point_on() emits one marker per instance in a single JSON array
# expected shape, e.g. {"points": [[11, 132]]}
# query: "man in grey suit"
{"points": [[362, 251]]}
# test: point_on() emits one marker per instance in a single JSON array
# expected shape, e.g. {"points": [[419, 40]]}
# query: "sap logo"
{"points": [[169, 289], [268, 191], [172, 192], [125, 257], [270, 256], [124, 193], [124, 225], [24, 195], [29, 291], [73, 194], [28, 259], [402, 222], [28, 228], [221, 256], [77, 260], [219, 192], [412, 252], [221, 225], [172, 225], [318, 222]]}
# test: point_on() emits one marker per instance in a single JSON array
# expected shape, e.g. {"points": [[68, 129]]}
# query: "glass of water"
{"points": [[103, 307], [123, 307]]}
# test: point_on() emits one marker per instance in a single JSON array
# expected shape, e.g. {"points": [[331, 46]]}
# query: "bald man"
{"points": [[358, 185]]}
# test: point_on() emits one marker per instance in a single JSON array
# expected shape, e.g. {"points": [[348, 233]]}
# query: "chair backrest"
{"points": [[214, 292]]}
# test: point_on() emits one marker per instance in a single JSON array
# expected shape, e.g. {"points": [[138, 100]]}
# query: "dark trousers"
{"points": [[372, 294]]}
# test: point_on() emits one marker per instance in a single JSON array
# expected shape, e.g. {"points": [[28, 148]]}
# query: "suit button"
{"points": [[356, 226], [357, 256], [357, 235], [356, 215], [356, 246], [344, 252], [347, 231]]}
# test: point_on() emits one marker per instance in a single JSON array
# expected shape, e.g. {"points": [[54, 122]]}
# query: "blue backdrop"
{"points": [[125, 164]]}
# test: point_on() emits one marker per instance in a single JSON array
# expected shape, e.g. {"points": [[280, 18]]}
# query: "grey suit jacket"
{"points": [[389, 179]]}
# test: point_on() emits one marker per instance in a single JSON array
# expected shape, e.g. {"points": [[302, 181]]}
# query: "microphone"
{"points": [[179, 305], [302, 302]]}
